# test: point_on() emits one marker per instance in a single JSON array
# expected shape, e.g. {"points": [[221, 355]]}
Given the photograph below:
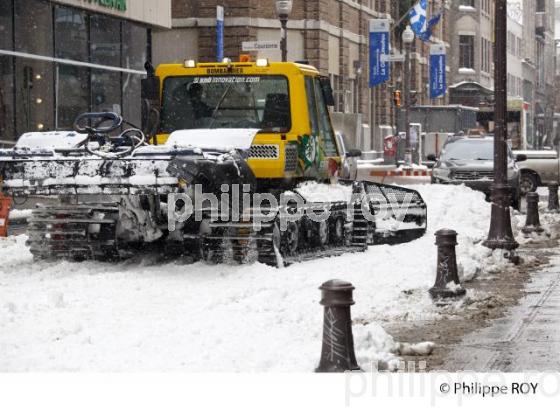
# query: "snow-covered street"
{"points": [[526, 339], [140, 316]]}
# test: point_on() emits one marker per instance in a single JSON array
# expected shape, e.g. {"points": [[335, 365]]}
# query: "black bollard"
{"points": [[533, 223], [447, 280], [337, 352], [553, 205]]}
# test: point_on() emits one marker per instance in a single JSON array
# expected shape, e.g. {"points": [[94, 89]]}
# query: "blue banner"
{"points": [[219, 33], [379, 46], [438, 82]]}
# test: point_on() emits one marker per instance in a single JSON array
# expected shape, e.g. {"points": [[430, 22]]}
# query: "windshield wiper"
{"points": [[222, 99]]}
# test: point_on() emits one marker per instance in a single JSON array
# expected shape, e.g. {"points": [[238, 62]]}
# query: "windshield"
{"points": [[471, 150], [226, 102]]}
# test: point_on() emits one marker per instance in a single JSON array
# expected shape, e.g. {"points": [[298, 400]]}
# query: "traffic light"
{"points": [[397, 98]]}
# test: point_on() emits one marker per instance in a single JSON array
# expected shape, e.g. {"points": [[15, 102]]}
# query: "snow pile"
{"points": [[20, 214], [140, 316], [314, 192], [375, 346]]}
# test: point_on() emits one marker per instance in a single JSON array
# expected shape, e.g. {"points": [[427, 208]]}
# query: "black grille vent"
{"points": [[264, 152]]}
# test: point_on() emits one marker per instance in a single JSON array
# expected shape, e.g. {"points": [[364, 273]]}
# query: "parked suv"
{"points": [[470, 161]]}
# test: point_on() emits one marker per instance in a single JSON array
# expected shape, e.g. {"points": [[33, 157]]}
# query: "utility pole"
{"points": [[407, 38], [500, 235]]}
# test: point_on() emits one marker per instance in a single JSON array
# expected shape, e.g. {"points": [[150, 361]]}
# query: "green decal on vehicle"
{"points": [[308, 151]]}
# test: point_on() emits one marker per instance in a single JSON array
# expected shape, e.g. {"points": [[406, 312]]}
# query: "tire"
{"points": [[528, 182]]}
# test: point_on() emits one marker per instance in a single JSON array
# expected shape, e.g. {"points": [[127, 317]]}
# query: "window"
{"points": [[6, 29], [226, 102], [338, 92], [466, 51], [311, 106], [327, 134], [469, 3], [33, 22], [485, 55], [106, 91], [34, 95], [72, 94], [7, 131], [135, 40], [469, 149], [37, 95], [351, 103], [131, 98], [71, 34], [105, 39]]}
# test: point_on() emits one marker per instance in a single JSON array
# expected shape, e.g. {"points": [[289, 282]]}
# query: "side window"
{"points": [[325, 127], [311, 106]]}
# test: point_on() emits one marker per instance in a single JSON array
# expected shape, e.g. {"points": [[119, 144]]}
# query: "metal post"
{"points": [[284, 37], [500, 235], [408, 150], [553, 204], [447, 279], [533, 223], [337, 352]]}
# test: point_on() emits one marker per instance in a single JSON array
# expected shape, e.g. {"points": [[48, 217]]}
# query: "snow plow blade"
{"points": [[400, 213]]}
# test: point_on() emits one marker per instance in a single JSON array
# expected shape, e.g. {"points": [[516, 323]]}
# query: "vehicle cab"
{"points": [[286, 103]]}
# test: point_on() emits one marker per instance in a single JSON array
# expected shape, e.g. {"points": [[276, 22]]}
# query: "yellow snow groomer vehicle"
{"points": [[233, 162]]}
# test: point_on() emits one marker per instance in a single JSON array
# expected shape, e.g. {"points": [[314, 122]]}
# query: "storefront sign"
{"points": [[438, 85], [119, 5], [379, 43]]}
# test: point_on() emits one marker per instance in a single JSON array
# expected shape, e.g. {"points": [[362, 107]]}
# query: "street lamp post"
{"points": [[407, 38], [500, 235], [284, 8]]}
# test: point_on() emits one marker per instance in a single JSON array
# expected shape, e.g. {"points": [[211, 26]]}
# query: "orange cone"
{"points": [[5, 203]]}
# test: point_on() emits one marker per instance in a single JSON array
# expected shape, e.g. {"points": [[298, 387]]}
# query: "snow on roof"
{"points": [[461, 83]]}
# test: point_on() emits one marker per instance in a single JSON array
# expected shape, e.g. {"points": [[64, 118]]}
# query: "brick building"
{"points": [[331, 34]]}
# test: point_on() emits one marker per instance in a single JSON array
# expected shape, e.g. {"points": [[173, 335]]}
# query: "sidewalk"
{"points": [[509, 321], [527, 338]]}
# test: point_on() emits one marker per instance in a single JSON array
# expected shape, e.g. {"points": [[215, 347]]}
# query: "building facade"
{"points": [[531, 66], [471, 53], [332, 35], [61, 58], [544, 47]]}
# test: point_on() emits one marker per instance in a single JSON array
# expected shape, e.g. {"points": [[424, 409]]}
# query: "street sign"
{"points": [[438, 85], [219, 33], [260, 45], [392, 58], [379, 44]]}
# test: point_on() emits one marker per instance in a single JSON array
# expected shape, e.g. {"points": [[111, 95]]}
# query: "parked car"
{"points": [[470, 161], [541, 168], [349, 157]]}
